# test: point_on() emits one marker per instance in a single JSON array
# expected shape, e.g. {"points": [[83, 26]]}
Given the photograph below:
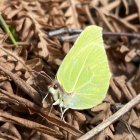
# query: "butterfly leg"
{"points": [[45, 97], [62, 113], [55, 103]]}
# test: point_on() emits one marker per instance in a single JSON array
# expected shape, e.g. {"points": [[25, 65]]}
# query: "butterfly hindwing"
{"points": [[84, 72]]}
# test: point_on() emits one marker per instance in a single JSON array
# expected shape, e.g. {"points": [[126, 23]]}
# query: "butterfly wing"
{"points": [[84, 73]]}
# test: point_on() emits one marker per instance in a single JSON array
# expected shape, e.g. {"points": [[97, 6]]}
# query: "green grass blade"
{"points": [[7, 30]]}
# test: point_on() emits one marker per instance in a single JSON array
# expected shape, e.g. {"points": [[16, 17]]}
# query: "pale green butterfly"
{"points": [[83, 78]]}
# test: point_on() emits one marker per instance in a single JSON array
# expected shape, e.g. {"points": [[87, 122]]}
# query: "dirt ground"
{"points": [[43, 32]]}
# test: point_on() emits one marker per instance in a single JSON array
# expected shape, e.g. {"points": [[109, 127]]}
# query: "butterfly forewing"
{"points": [[85, 72]]}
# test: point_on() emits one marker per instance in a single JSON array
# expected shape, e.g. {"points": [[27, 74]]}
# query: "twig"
{"points": [[135, 35], [7, 30], [78, 31], [73, 37], [68, 38], [111, 119], [62, 31]]}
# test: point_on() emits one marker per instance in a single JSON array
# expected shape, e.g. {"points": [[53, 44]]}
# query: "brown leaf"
{"points": [[138, 7], [124, 49], [101, 107], [66, 47], [47, 137], [7, 86], [136, 123], [132, 117], [27, 26], [130, 55], [121, 81], [79, 116], [116, 90], [10, 129], [99, 118], [71, 14]]}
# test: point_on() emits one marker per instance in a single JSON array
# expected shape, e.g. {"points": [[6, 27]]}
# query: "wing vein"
{"points": [[80, 71], [84, 48]]}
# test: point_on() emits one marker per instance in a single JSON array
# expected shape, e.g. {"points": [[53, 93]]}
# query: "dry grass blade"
{"points": [[110, 6], [41, 111], [21, 83], [29, 124], [123, 22], [89, 14], [103, 17]]}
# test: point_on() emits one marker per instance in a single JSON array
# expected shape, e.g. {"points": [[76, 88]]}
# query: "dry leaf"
{"points": [[71, 13]]}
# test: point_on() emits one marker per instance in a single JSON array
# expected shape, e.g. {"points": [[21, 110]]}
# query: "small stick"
{"points": [[62, 31], [135, 35], [68, 38], [78, 31], [111, 119], [73, 37], [57, 32]]}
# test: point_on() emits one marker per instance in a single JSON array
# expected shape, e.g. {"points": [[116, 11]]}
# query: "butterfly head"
{"points": [[59, 95]]}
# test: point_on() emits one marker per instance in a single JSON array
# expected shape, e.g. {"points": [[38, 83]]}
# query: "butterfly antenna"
{"points": [[42, 73], [46, 75]]}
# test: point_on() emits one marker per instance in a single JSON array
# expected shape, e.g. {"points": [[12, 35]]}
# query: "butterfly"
{"points": [[82, 80]]}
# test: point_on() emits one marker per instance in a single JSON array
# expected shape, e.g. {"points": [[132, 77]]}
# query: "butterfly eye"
{"points": [[55, 86]]}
